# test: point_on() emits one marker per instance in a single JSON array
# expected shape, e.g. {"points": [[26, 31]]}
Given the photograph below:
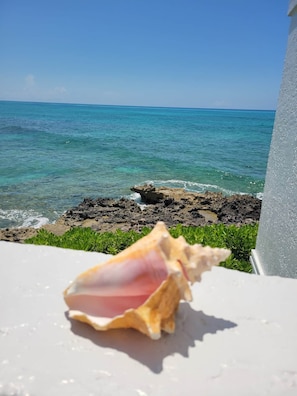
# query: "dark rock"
{"points": [[239, 209], [173, 206], [17, 234]]}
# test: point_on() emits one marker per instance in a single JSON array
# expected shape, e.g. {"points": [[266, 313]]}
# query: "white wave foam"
{"points": [[192, 186], [259, 195], [195, 187], [134, 196], [35, 222], [23, 218], [137, 198]]}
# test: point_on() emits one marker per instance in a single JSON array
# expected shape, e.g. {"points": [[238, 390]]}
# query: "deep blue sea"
{"points": [[54, 155]]}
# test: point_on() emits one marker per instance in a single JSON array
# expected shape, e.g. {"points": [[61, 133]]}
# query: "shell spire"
{"points": [[141, 287]]}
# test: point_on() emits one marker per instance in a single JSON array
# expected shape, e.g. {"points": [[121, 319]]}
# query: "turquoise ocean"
{"points": [[54, 155]]}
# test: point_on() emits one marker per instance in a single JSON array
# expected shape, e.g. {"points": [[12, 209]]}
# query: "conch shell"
{"points": [[141, 287]]}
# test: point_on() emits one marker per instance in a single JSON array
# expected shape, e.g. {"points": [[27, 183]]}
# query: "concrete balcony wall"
{"points": [[237, 337], [276, 248]]}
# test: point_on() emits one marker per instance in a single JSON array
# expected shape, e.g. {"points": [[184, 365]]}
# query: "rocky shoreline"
{"points": [[171, 205]]}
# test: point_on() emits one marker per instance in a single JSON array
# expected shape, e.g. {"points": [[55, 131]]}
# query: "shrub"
{"points": [[240, 240]]}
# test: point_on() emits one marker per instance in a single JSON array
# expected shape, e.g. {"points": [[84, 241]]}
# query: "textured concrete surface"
{"points": [[238, 336]]}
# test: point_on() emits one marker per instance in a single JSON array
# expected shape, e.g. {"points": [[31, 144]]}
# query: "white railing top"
{"points": [[238, 336]]}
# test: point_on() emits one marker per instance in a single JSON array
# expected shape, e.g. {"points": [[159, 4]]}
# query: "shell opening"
{"points": [[117, 288]]}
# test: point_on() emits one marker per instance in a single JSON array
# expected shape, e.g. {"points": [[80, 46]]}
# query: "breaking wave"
{"points": [[193, 187], [21, 218]]}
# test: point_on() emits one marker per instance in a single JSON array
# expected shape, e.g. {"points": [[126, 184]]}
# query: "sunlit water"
{"points": [[54, 155]]}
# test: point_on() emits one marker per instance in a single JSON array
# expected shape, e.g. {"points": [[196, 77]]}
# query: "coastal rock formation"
{"points": [[153, 195], [17, 234], [171, 205], [22, 233]]}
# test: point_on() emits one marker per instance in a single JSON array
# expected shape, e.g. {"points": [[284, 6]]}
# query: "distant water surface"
{"points": [[54, 155]]}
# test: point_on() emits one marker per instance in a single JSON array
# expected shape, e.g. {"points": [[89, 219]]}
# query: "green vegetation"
{"points": [[240, 240]]}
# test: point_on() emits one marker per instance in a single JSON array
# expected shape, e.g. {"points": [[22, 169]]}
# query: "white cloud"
{"points": [[30, 80], [60, 90], [57, 93]]}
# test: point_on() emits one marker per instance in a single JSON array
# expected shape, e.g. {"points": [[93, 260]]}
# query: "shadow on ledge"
{"points": [[191, 326]]}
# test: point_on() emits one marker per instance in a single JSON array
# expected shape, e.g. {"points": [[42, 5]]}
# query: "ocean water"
{"points": [[54, 155]]}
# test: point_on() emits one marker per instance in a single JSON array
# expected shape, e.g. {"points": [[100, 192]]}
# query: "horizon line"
{"points": [[130, 105]]}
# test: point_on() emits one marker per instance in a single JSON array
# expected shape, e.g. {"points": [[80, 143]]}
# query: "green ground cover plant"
{"points": [[240, 240]]}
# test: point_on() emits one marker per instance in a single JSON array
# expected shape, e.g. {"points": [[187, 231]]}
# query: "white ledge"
{"points": [[238, 336]]}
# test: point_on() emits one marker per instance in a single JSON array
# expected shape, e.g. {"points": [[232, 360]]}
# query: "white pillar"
{"points": [[276, 247]]}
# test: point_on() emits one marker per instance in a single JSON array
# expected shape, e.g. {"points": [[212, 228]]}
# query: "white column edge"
{"points": [[256, 264]]}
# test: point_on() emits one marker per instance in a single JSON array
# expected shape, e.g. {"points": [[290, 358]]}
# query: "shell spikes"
{"points": [[141, 287]]}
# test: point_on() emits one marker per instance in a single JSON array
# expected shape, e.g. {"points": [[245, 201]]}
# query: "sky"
{"points": [[171, 53]]}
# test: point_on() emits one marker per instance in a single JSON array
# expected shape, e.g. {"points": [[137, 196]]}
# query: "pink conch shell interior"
{"points": [[109, 290]]}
